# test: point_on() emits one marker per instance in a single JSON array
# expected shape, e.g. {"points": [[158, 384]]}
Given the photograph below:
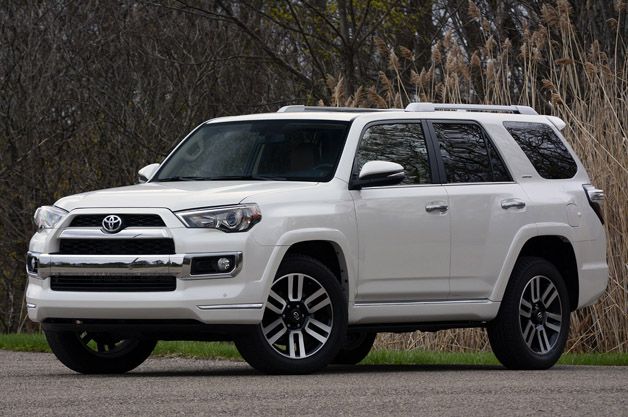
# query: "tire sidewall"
{"points": [[68, 348], [525, 274], [354, 351]]}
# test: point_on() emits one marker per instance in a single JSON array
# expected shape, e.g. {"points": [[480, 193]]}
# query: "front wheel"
{"points": [[304, 322], [98, 353], [531, 328]]}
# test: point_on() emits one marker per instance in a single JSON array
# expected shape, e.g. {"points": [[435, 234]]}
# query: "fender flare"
{"points": [[292, 237], [522, 237]]}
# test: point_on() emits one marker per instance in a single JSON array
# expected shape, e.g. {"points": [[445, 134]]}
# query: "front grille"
{"points": [[116, 246], [111, 283], [128, 220]]}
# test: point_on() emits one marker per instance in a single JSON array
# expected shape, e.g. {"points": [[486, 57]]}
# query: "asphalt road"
{"points": [[35, 384]]}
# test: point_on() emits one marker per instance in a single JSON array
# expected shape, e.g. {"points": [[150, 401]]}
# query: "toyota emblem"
{"points": [[112, 223]]}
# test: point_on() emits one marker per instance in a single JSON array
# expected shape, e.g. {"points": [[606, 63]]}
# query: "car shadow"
{"points": [[238, 370]]}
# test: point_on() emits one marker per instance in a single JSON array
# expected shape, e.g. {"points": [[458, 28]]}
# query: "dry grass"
{"points": [[587, 88]]}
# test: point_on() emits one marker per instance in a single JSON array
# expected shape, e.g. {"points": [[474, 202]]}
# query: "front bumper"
{"points": [[235, 297]]}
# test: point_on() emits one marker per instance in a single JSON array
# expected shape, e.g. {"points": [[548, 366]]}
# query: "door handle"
{"points": [[513, 203], [440, 206]]}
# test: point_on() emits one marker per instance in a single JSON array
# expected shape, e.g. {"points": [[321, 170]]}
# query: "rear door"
{"points": [[403, 230], [486, 207]]}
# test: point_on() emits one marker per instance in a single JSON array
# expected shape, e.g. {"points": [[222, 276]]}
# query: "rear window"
{"points": [[467, 154], [544, 149]]}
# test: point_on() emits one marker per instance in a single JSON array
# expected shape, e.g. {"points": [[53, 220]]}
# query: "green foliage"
{"points": [[221, 350], [198, 350]]}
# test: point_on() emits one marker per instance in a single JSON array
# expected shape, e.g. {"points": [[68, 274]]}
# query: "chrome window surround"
{"points": [[178, 265]]}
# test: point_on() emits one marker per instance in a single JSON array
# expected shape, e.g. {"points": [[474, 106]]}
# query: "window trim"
{"points": [[429, 144], [487, 140]]}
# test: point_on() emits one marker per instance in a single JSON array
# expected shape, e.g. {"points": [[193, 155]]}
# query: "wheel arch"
{"points": [[557, 249], [329, 246], [327, 252]]}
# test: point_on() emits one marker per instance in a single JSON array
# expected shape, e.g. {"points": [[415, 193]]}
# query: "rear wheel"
{"points": [[356, 347], [304, 323], [98, 353], [531, 328]]}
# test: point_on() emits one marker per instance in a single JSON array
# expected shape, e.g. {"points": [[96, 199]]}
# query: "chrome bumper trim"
{"points": [[418, 303], [231, 307], [90, 265], [130, 233]]}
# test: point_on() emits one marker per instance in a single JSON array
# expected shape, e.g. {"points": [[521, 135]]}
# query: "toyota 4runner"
{"points": [[301, 234]]}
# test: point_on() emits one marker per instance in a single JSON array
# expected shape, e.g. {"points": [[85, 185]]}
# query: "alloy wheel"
{"points": [[540, 314], [298, 317]]}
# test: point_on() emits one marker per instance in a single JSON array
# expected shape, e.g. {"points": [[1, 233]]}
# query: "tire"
{"points": [[304, 323], [532, 325], [98, 353], [356, 347]]}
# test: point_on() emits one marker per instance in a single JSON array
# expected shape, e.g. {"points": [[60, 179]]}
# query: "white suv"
{"points": [[301, 234]]}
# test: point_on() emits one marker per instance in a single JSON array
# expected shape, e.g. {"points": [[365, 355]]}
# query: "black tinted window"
{"points": [[403, 143], [544, 149], [468, 155]]}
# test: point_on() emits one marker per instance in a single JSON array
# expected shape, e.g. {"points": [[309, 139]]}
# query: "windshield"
{"points": [[289, 150]]}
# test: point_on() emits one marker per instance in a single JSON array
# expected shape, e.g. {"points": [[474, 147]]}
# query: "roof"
{"points": [[480, 113]]}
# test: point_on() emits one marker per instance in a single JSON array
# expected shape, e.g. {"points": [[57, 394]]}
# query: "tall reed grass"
{"points": [[556, 74]]}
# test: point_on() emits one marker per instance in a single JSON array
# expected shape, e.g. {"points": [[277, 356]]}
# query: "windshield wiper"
{"points": [[182, 178], [249, 177], [223, 177], [268, 178]]}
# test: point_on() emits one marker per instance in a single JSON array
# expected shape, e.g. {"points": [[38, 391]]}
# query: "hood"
{"points": [[177, 195]]}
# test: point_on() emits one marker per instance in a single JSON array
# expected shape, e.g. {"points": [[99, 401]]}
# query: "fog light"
{"points": [[224, 264], [208, 265]]}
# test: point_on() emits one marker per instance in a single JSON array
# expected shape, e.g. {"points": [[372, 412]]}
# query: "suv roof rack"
{"points": [[415, 107], [429, 107], [302, 108]]}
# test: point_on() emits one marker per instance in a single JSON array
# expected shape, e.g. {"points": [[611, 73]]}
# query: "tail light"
{"points": [[596, 200]]}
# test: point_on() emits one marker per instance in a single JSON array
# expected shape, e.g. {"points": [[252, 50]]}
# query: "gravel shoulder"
{"points": [[37, 384]]}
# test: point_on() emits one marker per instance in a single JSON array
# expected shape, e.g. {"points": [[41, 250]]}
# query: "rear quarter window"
{"points": [[467, 153], [545, 150]]}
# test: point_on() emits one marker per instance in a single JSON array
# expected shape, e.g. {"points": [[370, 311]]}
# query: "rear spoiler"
{"points": [[557, 121]]}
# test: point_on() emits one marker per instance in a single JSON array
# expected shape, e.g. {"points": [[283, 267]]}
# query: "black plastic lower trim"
{"points": [[179, 329]]}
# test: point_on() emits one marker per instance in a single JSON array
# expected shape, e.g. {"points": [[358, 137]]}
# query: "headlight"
{"points": [[237, 218], [47, 217]]}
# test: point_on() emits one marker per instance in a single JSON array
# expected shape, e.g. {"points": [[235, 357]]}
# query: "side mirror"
{"points": [[378, 173], [145, 173]]}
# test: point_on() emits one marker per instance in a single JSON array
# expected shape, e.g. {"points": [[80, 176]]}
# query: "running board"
{"points": [[412, 327], [433, 311]]}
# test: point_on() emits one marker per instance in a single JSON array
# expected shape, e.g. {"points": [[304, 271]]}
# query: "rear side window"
{"points": [[468, 155], [544, 149], [403, 143]]}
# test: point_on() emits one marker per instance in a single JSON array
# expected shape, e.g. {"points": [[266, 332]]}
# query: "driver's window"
{"points": [[403, 143]]}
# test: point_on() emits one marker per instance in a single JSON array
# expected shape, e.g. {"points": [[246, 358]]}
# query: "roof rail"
{"points": [[429, 107], [302, 108]]}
